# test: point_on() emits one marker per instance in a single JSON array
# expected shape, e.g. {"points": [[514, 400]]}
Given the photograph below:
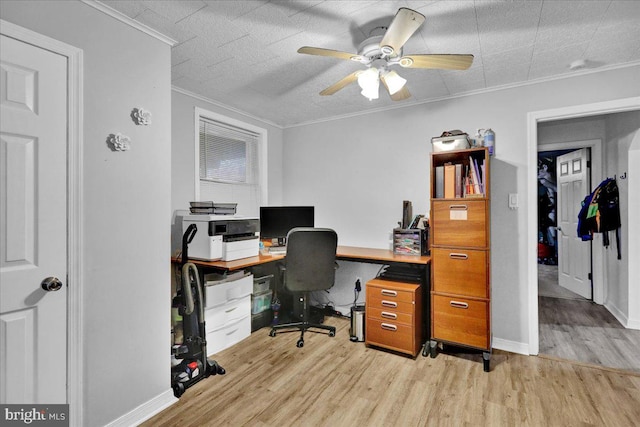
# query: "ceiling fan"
{"points": [[380, 52]]}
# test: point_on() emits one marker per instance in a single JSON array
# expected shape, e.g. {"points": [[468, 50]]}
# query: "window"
{"points": [[229, 164]]}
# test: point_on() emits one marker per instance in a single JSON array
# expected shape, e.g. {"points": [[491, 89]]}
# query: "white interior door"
{"points": [[33, 234], [574, 255]]}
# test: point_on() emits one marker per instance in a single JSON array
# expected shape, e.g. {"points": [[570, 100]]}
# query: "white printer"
{"points": [[223, 237]]}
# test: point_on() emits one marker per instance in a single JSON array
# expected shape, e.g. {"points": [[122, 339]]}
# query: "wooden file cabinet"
{"points": [[460, 264], [394, 315]]}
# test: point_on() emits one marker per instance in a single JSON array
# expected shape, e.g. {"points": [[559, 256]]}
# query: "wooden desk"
{"points": [[345, 253], [378, 256], [348, 253]]}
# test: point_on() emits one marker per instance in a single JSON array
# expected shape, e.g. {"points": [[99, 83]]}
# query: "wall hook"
{"points": [[623, 176]]}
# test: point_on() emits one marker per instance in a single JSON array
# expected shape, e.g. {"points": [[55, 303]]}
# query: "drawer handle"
{"points": [[232, 332], [458, 207], [388, 326], [231, 309], [454, 255], [458, 304], [389, 315], [389, 303], [389, 293]]}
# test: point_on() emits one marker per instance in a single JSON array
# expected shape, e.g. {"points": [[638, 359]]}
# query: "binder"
{"points": [[449, 181], [458, 179], [439, 182]]}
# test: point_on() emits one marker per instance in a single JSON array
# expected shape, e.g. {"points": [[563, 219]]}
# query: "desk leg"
{"points": [[426, 311]]}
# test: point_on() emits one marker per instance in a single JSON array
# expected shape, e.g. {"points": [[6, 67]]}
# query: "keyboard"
{"points": [[278, 250]]}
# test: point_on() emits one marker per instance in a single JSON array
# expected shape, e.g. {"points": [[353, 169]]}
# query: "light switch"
{"points": [[513, 200]]}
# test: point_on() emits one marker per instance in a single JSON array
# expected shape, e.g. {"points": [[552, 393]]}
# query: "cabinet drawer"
{"points": [[387, 315], [460, 271], [392, 291], [389, 304], [223, 293], [461, 321], [228, 335], [230, 312], [392, 335], [460, 223]]}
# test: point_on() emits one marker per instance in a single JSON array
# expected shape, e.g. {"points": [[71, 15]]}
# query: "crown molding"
{"points": [[129, 21], [226, 107]]}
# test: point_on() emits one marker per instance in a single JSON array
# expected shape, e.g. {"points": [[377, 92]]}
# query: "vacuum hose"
{"points": [[187, 269]]}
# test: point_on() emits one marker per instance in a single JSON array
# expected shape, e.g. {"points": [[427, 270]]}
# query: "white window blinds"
{"points": [[229, 164], [227, 153]]}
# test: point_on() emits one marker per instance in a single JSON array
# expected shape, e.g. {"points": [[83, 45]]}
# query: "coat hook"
{"points": [[623, 176]]}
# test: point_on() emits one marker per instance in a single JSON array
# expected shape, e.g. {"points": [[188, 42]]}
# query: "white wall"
{"points": [[621, 129], [126, 206], [357, 171]]}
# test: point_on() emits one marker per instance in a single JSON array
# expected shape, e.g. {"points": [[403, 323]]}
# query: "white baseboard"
{"points": [[633, 324], [622, 318], [510, 346], [617, 313], [145, 411]]}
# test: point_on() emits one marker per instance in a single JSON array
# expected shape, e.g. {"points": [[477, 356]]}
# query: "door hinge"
{"points": [[588, 163], [589, 276]]}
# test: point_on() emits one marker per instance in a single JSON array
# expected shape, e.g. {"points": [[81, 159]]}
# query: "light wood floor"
{"points": [[334, 382], [584, 331], [574, 328]]}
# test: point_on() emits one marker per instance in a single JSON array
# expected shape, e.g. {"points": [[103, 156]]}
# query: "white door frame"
{"points": [[75, 321], [597, 253], [533, 118]]}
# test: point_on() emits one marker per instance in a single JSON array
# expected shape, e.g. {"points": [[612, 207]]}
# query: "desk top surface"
{"points": [[346, 253]]}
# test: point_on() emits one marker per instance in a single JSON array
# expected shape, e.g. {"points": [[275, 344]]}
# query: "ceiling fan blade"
{"points": [[400, 95], [404, 24], [328, 52], [445, 62], [342, 83]]}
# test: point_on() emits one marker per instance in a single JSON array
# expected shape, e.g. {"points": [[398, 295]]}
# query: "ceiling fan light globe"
{"points": [[370, 93], [394, 82], [368, 78]]}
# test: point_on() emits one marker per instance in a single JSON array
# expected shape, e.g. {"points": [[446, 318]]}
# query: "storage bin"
{"points": [[260, 302], [262, 284], [261, 320], [450, 143]]}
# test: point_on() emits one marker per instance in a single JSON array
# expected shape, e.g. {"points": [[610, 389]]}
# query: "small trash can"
{"points": [[357, 323]]}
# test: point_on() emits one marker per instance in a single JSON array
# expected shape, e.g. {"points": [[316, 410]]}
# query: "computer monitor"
{"points": [[276, 221]]}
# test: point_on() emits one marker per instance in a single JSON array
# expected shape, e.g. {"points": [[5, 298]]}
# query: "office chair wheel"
{"points": [[300, 343], [332, 333], [272, 333]]}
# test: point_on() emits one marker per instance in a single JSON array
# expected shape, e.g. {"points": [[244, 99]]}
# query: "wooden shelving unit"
{"points": [[460, 258]]}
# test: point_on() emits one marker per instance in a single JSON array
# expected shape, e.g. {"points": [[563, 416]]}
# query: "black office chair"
{"points": [[310, 265]]}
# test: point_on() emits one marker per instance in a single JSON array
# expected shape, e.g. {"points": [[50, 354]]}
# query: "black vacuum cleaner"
{"points": [[192, 353]]}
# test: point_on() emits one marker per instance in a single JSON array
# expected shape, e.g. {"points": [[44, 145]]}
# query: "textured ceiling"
{"points": [[243, 53]]}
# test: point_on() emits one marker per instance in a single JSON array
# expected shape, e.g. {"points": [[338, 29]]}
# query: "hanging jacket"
{"points": [[600, 213]]}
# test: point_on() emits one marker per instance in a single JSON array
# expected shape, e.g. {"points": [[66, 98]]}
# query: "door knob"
{"points": [[51, 284]]}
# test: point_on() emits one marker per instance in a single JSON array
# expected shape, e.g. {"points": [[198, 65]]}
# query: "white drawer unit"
{"points": [[227, 335], [222, 293], [228, 313]]}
